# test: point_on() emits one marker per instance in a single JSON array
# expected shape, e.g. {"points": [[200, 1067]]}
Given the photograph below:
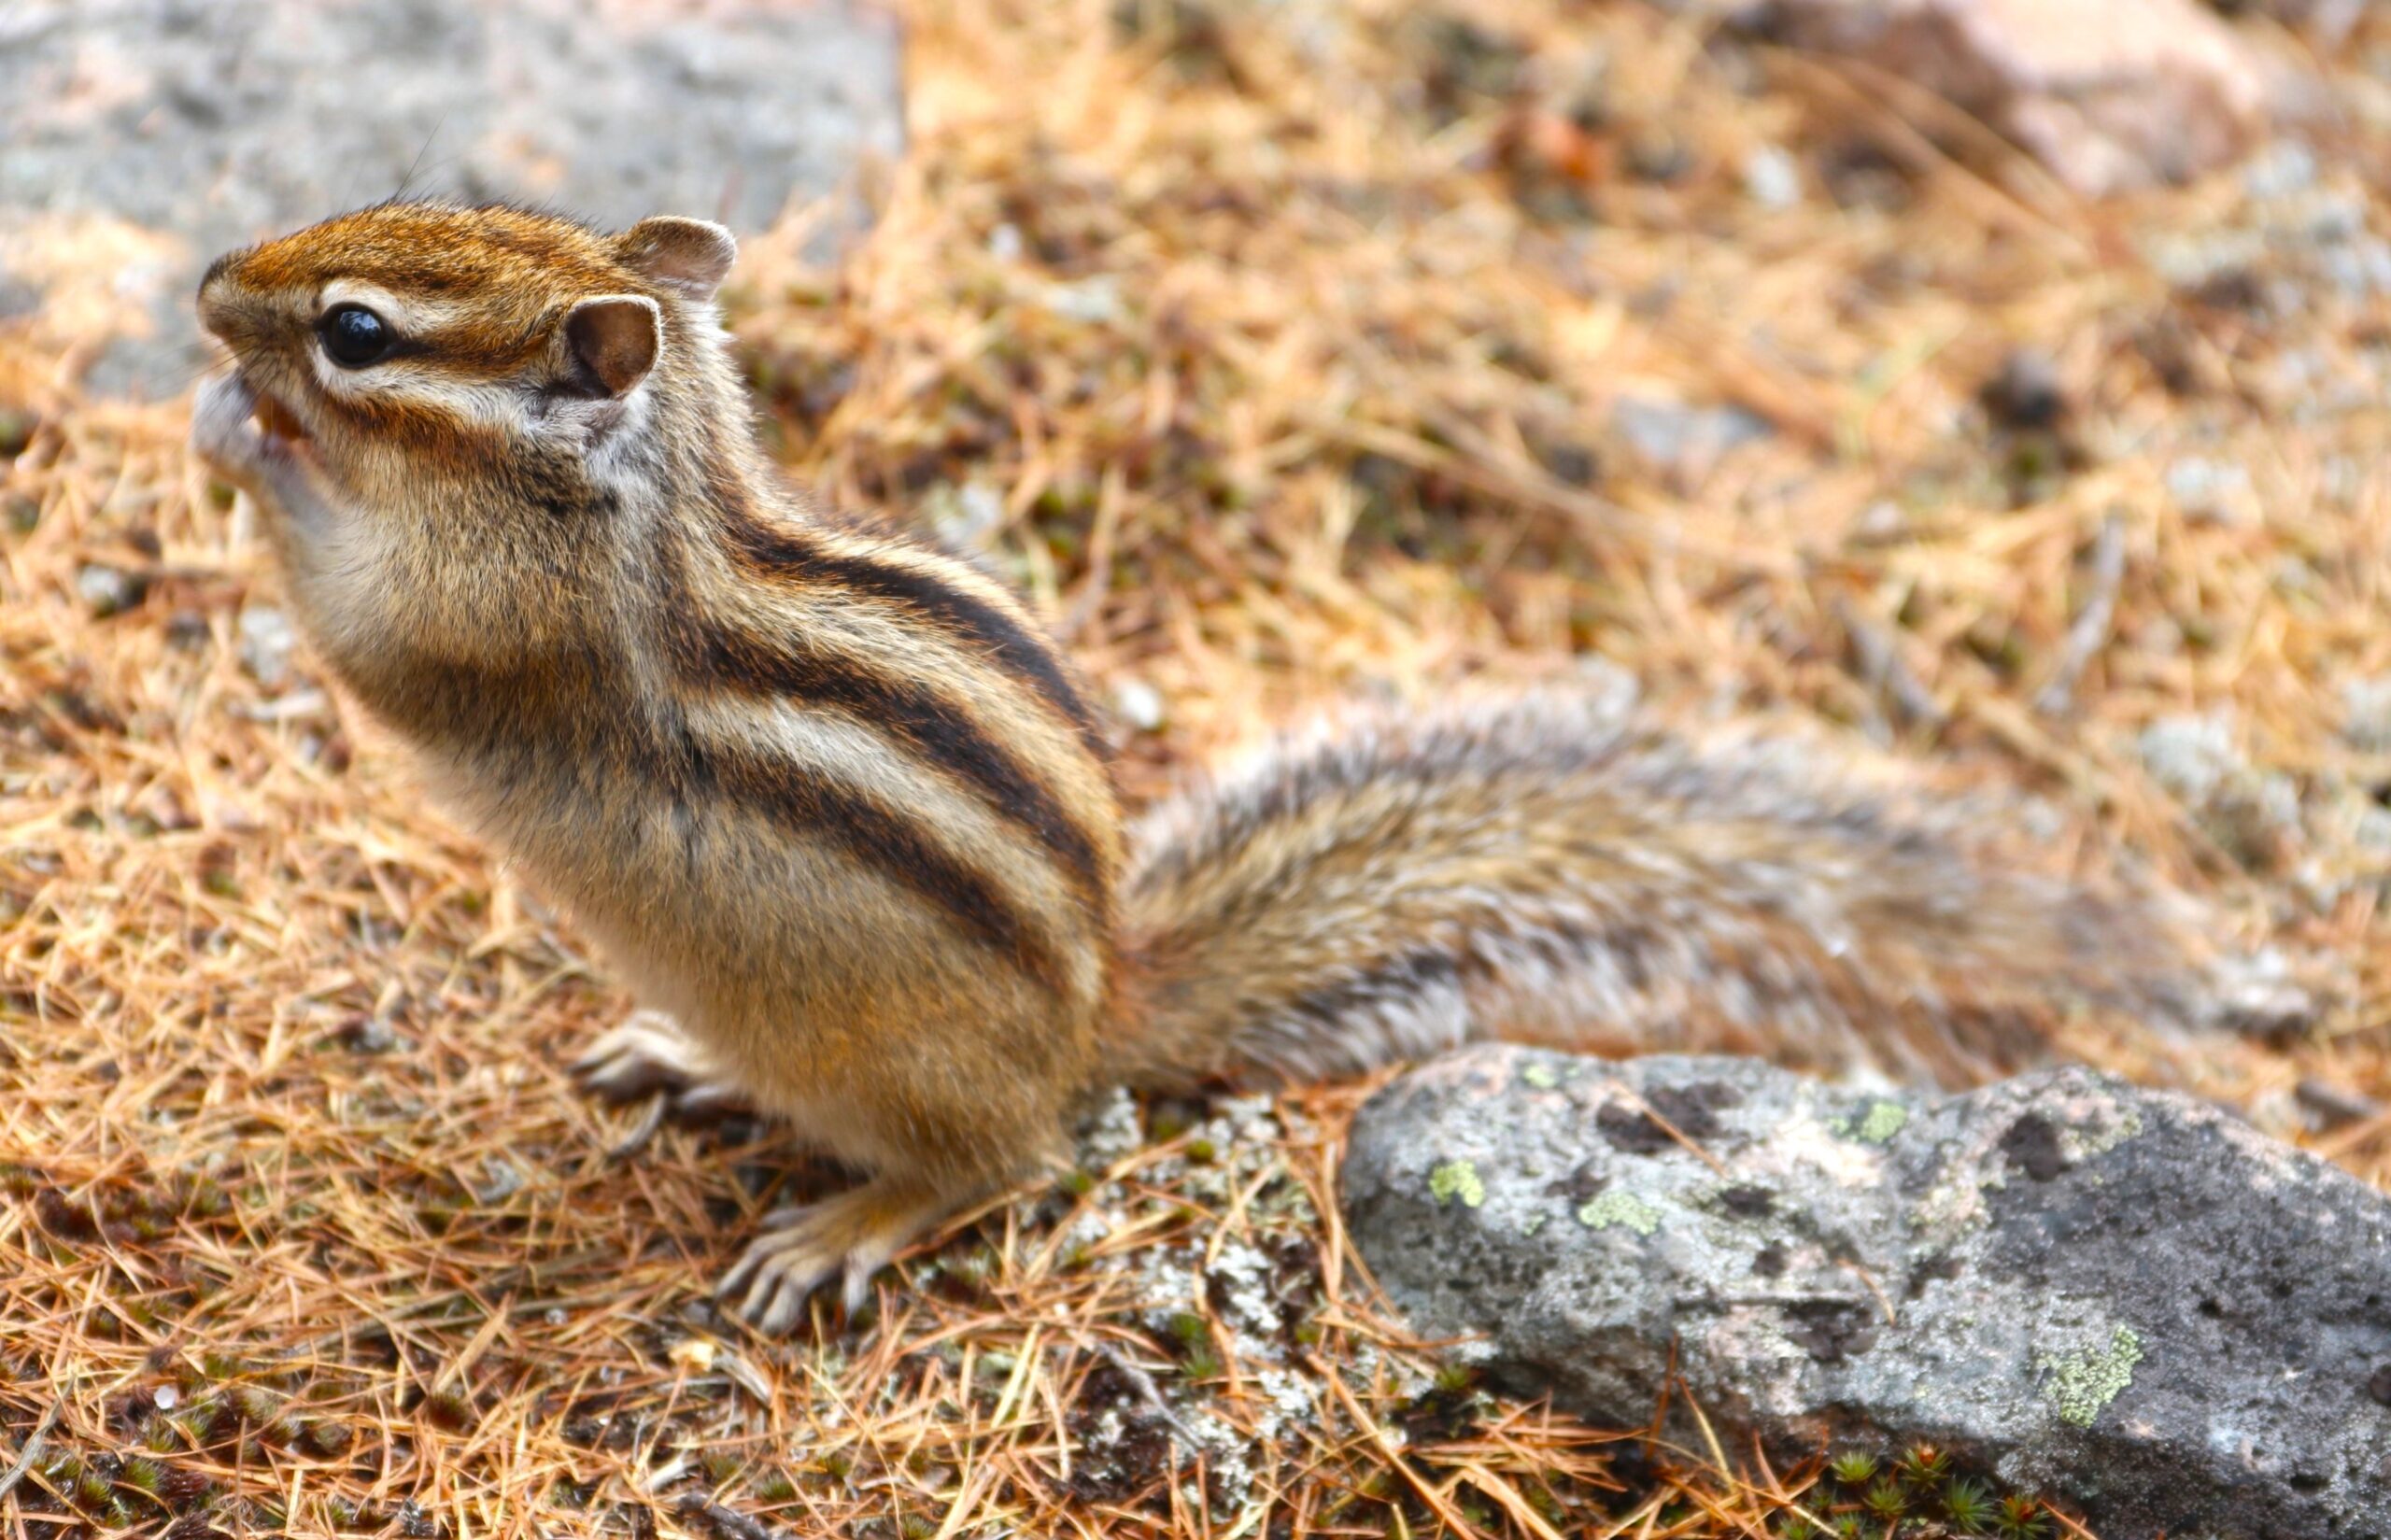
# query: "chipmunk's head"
{"points": [[454, 405], [411, 340]]}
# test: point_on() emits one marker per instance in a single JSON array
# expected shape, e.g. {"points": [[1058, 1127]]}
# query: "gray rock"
{"points": [[2118, 1298], [1772, 179], [2283, 168], [106, 590], [1139, 705], [2109, 97], [2368, 703], [266, 641], [2253, 813], [219, 122], [2212, 491], [1687, 439]]}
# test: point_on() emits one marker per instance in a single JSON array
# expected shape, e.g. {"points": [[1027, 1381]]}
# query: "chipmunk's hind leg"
{"points": [[854, 1234], [649, 1054]]}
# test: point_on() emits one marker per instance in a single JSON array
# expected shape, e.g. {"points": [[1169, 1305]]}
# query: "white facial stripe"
{"points": [[494, 404]]}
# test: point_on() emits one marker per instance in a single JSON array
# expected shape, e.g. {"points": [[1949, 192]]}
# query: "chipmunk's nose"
{"points": [[219, 294], [214, 313]]}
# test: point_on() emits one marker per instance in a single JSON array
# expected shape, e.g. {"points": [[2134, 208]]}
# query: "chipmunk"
{"points": [[843, 817]]}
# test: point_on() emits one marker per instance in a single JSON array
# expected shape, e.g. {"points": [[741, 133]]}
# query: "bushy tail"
{"points": [[1545, 867]]}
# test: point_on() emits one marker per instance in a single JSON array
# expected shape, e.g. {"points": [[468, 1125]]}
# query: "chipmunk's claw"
{"points": [[648, 1056], [850, 1236], [651, 1055]]}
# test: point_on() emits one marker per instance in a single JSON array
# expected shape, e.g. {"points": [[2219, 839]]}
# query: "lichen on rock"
{"points": [[2070, 1283], [2085, 1379], [1456, 1178], [1624, 1209]]}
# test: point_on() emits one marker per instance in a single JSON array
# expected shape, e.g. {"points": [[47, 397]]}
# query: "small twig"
{"points": [[2355, 1135], [1883, 1302], [2090, 631], [1111, 497], [2337, 1107], [700, 1509], [1882, 667], [1148, 1392], [16, 1472], [1718, 1167], [665, 1475], [1428, 1492]]}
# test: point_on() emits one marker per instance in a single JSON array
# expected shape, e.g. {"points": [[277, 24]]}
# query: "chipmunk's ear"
{"points": [[613, 338], [688, 255]]}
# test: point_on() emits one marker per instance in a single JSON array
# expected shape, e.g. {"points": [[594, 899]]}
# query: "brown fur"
{"points": [[834, 805]]}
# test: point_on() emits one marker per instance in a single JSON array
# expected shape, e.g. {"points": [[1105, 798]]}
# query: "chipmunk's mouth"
{"points": [[246, 432], [281, 427]]}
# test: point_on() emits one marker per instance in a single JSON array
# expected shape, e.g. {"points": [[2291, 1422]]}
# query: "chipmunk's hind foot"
{"points": [[649, 1056], [851, 1235]]}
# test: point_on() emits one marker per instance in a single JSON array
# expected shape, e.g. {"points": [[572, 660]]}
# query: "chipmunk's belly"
{"points": [[800, 973]]}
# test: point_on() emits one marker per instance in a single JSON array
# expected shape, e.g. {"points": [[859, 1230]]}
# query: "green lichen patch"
{"points": [[1541, 1076], [1884, 1120], [1622, 1208], [2088, 1378], [1880, 1122], [1457, 1179]]}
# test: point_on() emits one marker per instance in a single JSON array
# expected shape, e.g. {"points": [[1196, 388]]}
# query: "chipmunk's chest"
{"points": [[795, 883]]}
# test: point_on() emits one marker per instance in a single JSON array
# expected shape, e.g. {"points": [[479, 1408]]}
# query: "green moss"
{"points": [[1540, 1075], [143, 1474], [1886, 1500], [2020, 1519], [2086, 1380], [1620, 1208], [1457, 1179], [1924, 1465], [1969, 1507]]}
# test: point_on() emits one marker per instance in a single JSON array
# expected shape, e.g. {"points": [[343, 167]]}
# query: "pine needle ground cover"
{"points": [[1280, 352]]}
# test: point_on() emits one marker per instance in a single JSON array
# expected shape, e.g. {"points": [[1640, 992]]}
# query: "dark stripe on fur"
{"points": [[916, 717], [890, 843], [777, 548], [1400, 979]]}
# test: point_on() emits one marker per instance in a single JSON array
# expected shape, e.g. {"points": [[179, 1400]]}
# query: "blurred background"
{"points": [[2004, 380]]}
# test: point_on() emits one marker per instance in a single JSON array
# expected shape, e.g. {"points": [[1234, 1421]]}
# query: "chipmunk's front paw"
{"points": [[852, 1235], [649, 1056], [254, 442]]}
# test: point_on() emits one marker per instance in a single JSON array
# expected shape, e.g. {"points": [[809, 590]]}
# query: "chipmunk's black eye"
{"points": [[354, 336]]}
